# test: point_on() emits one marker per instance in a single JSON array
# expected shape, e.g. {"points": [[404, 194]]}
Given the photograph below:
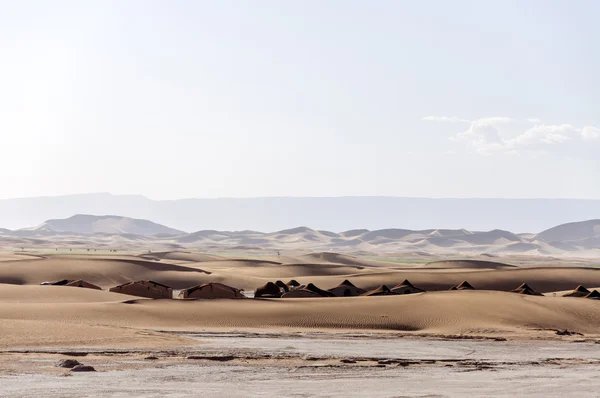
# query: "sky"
{"points": [[177, 99]]}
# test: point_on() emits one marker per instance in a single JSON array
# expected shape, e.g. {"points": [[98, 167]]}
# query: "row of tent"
{"points": [[292, 289], [581, 291], [155, 290]]}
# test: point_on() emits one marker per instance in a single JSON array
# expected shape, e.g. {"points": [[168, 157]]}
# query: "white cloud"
{"points": [[534, 120], [543, 134], [483, 134], [449, 119], [590, 133], [489, 135]]}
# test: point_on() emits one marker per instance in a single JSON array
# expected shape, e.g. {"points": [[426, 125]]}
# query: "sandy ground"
{"points": [[437, 343], [314, 364], [326, 271], [34, 315], [100, 317]]}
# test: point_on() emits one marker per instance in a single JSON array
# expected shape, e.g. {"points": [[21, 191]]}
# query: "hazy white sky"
{"points": [[174, 99]]}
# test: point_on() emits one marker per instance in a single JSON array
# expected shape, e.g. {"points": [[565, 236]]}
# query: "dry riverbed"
{"points": [[311, 364]]}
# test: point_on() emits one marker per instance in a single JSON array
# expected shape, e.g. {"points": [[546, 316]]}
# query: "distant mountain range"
{"points": [[88, 224], [331, 214], [116, 232]]}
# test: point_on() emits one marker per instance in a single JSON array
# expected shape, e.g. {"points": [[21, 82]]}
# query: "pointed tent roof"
{"points": [[382, 290], [282, 286], [465, 286], [84, 284], [404, 283], [320, 292], [581, 289], [345, 289], [524, 286], [269, 289], [293, 283], [526, 289]]}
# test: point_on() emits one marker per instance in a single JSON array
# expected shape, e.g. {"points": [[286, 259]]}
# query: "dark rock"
{"points": [[223, 358], [83, 368], [311, 358], [68, 363], [567, 333]]}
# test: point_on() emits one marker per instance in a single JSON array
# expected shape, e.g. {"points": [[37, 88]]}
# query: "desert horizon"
{"points": [[93, 233], [180, 311], [125, 298], [243, 198]]}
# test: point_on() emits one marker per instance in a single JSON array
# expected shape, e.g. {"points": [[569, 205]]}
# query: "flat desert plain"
{"points": [[481, 339]]}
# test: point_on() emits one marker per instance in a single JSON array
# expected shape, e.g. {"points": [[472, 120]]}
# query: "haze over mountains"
{"points": [[123, 233], [332, 214], [116, 225]]}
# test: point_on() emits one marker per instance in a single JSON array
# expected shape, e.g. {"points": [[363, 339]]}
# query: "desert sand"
{"points": [[95, 233], [255, 338], [63, 315]]}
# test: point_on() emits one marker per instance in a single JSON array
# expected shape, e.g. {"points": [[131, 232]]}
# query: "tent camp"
{"points": [[211, 291], [406, 288], [149, 289], [346, 288]]}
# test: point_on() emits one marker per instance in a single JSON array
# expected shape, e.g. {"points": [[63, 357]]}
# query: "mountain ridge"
{"points": [[105, 224], [322, 213], [125, 231]]}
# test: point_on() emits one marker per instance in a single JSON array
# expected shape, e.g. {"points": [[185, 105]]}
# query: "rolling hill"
{"points": [[90, 224], [573, 231], [123, 233]]}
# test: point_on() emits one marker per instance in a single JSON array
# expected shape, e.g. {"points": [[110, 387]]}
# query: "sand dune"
{"points": [[182, 256], [56, 294], [304, 270], [571, 231], [104, 271], [247, 274], [448, 312], [329, 258], [91, 232], [471, 264], [61, 315]]}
